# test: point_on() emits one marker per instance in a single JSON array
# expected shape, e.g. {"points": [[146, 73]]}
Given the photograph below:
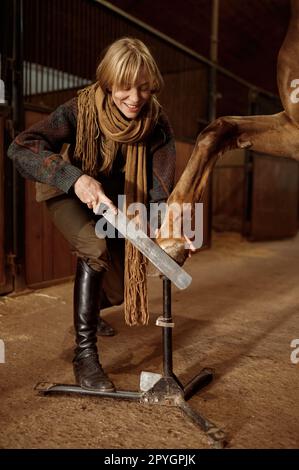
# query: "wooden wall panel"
{"points": [[275, 198], [228, 191], [228, 198], [33, 237], [47, 245], [185, 99], [2, 215], [47, 254], [6, 278]]}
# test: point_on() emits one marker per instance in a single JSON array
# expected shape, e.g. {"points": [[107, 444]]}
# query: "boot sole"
{"points": [[111, 389], [103, 333]]}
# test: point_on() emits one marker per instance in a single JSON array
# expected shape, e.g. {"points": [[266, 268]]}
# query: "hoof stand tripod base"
{"points": [[158, 389]]}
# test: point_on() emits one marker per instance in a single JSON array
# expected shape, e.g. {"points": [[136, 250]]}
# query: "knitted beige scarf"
{"points": [[100, 125]]}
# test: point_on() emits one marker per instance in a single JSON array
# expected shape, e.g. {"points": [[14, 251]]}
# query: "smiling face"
{"points": [[131, 99]]}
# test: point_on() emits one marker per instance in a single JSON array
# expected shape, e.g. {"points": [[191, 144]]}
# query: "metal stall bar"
{"points": [[18, 125]]}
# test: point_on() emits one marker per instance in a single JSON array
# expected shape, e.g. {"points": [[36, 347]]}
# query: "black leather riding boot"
{"points": [[87, 369], [103, 327]]}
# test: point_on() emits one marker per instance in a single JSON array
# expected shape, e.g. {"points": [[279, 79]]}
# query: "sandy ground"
{"points": [[238, 317]]}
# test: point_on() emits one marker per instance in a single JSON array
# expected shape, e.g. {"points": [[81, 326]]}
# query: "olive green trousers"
{"points": [[77, 224]]}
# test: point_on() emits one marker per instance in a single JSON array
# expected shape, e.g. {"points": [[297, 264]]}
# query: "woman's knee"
{"points": [[78, 227]]}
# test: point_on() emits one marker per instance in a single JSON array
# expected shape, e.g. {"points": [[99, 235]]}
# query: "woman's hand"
{"points": [[90, 192]]}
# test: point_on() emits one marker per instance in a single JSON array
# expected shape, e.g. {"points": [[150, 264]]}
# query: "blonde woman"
{"points": [[120, 143]]}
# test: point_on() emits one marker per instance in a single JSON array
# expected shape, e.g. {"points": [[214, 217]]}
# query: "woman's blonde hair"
{"points": [[122, 62]]}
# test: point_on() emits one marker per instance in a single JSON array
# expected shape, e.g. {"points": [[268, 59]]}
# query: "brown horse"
{"points": [[276, 134]]}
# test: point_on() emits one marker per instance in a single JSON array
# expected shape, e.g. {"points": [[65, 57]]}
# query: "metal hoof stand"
{"points": [[158, 389]]}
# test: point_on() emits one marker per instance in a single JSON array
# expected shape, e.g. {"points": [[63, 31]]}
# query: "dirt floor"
{"points": [[238, 317]]}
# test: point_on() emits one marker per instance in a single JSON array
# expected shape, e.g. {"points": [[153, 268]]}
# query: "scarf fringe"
{"points": [[88, 131], [136, 303]]}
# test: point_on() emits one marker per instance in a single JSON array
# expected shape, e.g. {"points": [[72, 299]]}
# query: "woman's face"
{"points": [[131, 99]]}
